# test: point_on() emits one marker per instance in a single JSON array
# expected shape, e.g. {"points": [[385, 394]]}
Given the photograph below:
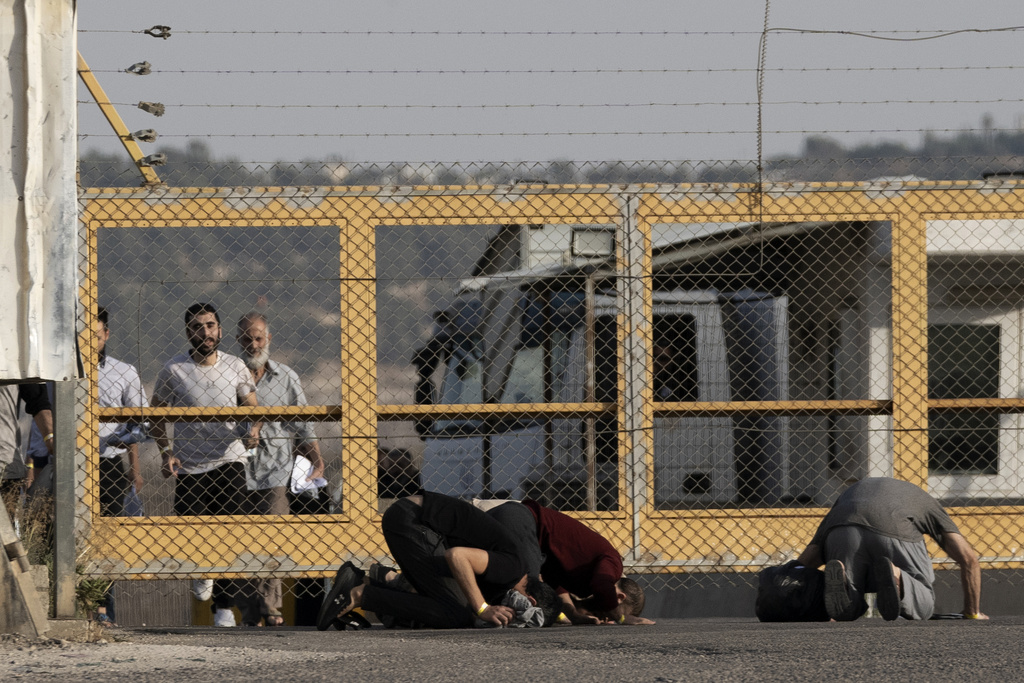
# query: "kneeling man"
{"points": [[461, 563], [871, 541]]}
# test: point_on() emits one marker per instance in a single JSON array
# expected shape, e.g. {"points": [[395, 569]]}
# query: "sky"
{"points": [[544, 80]]}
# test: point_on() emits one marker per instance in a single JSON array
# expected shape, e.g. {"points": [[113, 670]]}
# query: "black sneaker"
{"points": [[887, 596], [838, 603], [347, 578]]}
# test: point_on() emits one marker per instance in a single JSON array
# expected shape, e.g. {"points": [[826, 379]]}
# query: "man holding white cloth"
{"points": [[271, 465]]}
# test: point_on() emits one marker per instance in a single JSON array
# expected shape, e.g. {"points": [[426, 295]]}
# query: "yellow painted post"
{"points": [[114, 119], [910, 348], [359, 376]]}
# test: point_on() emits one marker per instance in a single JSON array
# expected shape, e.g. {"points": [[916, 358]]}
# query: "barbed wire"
{"points": [[869, 33], [522, 72], [568, 105], [752, 131]]}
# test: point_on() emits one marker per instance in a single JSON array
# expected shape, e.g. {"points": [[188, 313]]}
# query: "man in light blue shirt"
{"points": [[118, 385], [270, 466]]}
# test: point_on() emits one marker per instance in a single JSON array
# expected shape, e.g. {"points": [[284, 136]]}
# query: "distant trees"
{"points": [[962, 156]]}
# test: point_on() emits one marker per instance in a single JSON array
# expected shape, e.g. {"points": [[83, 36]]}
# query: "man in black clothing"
{"points": [[459, 560], [37, 404], [871, 541]]}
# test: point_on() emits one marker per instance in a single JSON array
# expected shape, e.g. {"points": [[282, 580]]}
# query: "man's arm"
{"points": [[466, 564], [37, 404], [44, 421], [134, 471], [961, 552], [249, 401], [158, 430], [308, 445], [576, 617], [311, 451], [134, 396]]}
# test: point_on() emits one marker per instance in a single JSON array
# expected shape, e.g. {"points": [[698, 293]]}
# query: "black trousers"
{"points": [[221, 491], [419, 551], [114, 484]]}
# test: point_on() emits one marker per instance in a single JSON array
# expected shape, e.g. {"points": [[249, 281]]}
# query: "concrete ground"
{"points": [[673, 650]]}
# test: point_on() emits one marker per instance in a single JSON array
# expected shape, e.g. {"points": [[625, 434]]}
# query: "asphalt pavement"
{"points": [[672, 650]]}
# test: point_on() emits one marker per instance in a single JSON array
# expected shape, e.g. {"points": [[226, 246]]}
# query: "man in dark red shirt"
{"points": [[576, 561]]}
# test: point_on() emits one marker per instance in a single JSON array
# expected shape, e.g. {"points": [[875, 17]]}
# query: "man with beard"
{"points": [[207, 458], [270, 466]]}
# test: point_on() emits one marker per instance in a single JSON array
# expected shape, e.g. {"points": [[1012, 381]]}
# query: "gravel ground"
{"points": [[672, 650]]}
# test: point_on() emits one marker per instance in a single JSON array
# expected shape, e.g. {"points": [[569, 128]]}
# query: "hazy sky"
{"points": [[556, 86]]}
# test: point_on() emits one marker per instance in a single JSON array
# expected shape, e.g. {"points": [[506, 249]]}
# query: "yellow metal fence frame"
{"points": [[651, 540]]}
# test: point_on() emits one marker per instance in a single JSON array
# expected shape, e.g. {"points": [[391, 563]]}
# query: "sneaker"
{"points": [[888, 596], [838, 603], [202, 589], [347, 578], [224, 618]]}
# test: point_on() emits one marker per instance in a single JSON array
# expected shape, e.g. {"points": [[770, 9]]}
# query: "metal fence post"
{"points": [[65, 419]]}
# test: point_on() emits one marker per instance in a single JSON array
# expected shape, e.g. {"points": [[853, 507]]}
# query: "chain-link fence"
{"points": [[694, 370]]}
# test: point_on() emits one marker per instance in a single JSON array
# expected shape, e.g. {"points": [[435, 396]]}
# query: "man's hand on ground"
{"points": [[630, 620], [580, 619], [498, 614]]}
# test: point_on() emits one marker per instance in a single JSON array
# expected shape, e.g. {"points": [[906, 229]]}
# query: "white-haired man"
{"points": [[271, 465]]}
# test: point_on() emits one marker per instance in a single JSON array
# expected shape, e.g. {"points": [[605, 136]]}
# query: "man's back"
{"points": [[579, 559], [891, 507]]}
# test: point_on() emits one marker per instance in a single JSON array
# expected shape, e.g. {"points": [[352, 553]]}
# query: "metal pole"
{"points": [[591, 395], [64, 499]]}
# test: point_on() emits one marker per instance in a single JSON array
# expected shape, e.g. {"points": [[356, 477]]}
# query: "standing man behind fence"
{"points": [[118, 385], [270, 467], [207, 459]]}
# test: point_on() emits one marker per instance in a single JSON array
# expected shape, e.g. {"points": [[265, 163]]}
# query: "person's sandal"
{"points": [[104, 620]]}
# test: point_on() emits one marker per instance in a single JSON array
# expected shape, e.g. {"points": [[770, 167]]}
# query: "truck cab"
{"points": [[547, 334]]}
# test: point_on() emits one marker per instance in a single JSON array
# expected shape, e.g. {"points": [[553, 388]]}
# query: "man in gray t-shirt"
{"points": [[207, 459], [872, 541]]}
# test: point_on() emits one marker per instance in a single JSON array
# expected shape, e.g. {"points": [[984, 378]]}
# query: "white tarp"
{"points": [[38, 194]]}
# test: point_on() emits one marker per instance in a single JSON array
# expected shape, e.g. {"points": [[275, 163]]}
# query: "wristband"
{"points": [[483, 607], [562, 618], [622, 619], [31, 465], [48, 437], [165, 450]]}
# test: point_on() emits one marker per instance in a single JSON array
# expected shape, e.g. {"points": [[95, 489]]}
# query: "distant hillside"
{"points": [[963, 156]]}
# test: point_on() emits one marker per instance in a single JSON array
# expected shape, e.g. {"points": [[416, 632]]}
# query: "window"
{"points": [[674, 359], [963, 362], [526, 378]]}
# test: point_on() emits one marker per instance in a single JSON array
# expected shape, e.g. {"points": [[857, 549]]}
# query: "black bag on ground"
{"points": [[790, 592]]}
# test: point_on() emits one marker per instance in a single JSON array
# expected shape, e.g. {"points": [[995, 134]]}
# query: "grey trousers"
{"points": [[266, 597], [857, 547]]}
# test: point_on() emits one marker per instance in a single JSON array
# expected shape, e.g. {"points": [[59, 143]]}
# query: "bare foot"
{"points": [[355, 599]]}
